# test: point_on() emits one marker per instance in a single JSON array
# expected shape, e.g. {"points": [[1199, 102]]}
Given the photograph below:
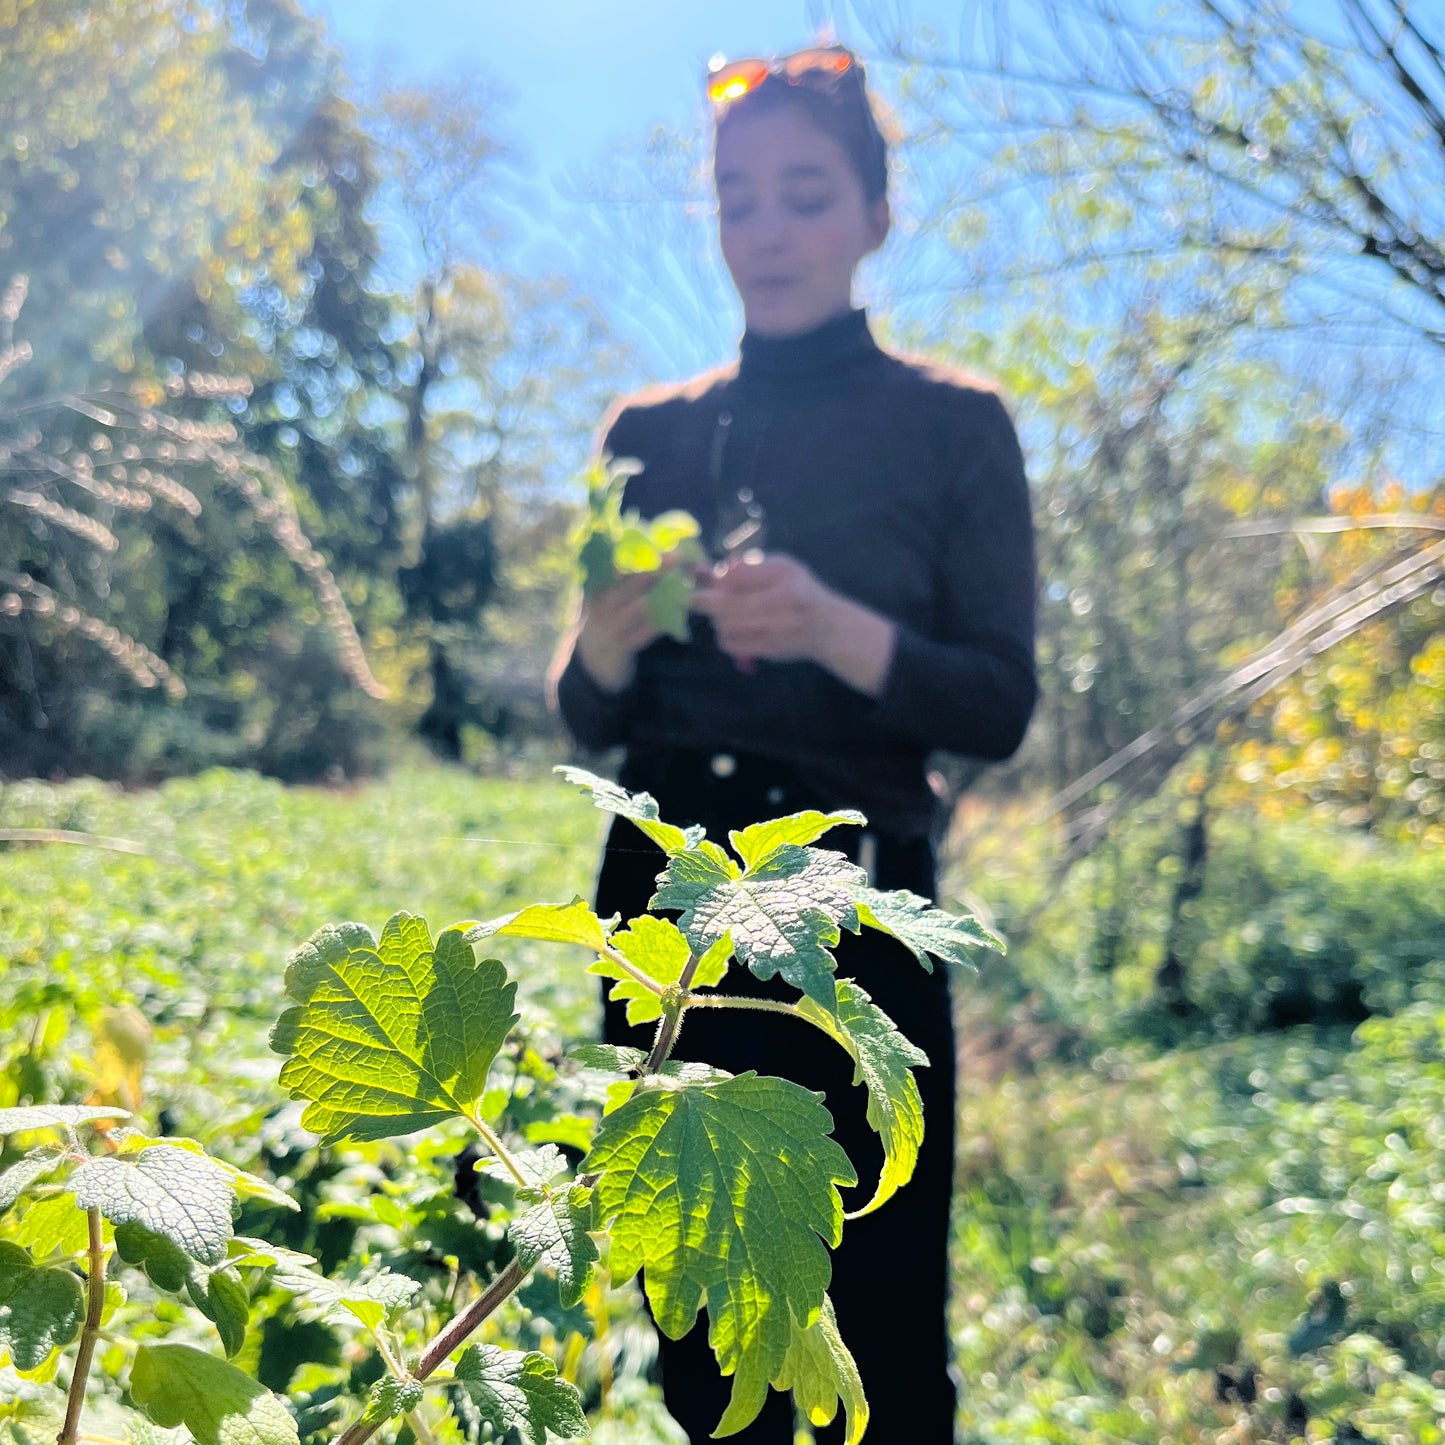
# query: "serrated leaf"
{"points": [[885, 1060], [782, 916], [26, 1117], [369, 1299], [554, 1234], [724, 1191], [186, 1197], [21, 1175], [53, 1226], [40, 1308], [222, 1297], [614, 1058], [923, 928], [393, 1036], [389, 1398], [537, 1166], [216, 1402], [821, 1372], [245, 1250], [521, 1392], [571, 922], [657, 947], [218, 1293], [755, 843], [640, 808]]}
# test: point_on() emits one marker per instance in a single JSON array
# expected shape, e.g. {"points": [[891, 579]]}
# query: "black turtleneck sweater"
{"points": [[900, 484]]}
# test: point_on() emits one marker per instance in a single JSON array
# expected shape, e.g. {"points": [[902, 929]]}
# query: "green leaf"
{"points": [[782, 915], [724, 1191], [539, 1167], [754, 844], [885, 1060], [657, 947], [555, 1235], [40, 1309], [614, 1058], [390, 1037], [20, 1176], [571, 922], [820, 1371], [668, 601], [923, 928], [521, 1392], [641, 808], [369, 1298], [389, 1398], [52, 1226], [219, 1294], [216, 1402], [53, 1116], [573, 1130], [185, 1196]]}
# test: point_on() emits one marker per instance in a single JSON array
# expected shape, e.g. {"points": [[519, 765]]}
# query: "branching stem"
{"points": [[675, 1001], [89, 1333], [449, 1339]]}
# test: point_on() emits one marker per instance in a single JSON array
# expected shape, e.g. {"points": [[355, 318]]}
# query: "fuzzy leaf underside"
{"points": [[884, 1060], [640, 808], [521, 1392], [392, 1036], [554, 1234], [922, 928], [657, 948], [40, 1308], [216, 1402], [755, 843], [24, 1172], [370, 1299], [724, 1190], [172, 1191], [782, 916], [25, 1117], [391, 1397]]}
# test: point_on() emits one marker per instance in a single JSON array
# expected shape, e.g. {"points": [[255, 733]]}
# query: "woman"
{"points": [[872, 600]]}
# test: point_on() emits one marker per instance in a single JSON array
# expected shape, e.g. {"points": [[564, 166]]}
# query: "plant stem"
{"points": [[494, 1143], [735, 1000], [633, 972], [90, 1331], [448, 1340], [671, 1020]]}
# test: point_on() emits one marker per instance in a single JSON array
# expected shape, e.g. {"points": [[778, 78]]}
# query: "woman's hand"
{"points": [[614, 627], [771, 606]]}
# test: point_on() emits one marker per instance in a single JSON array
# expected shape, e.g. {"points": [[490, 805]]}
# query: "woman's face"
{"points": [[792, 219]]}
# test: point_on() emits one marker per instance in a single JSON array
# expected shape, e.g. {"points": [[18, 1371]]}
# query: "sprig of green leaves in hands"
{"points": [[612, 543]]}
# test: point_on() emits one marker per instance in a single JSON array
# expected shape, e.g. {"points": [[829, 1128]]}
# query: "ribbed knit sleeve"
{"points": [[967, 685]]}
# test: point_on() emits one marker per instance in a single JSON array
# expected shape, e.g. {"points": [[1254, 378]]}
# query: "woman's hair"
{"points": [[843, 108]]}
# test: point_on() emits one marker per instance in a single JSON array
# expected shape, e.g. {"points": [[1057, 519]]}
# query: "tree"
{"points": [[168, 237]]}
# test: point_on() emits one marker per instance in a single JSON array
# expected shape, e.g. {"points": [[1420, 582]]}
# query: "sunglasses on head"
{"points": [[821, 68]]}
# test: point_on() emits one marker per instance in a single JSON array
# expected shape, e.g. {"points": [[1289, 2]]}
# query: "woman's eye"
{"points": [[809, 205]]}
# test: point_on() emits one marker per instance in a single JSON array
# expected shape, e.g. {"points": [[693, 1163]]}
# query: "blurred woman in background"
{"points": [[871, 599]]}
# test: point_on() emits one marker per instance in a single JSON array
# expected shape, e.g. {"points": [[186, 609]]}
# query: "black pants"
{"points": [[890, 1274]]}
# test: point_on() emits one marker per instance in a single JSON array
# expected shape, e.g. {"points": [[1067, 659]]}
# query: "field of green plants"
{"points": [[1217, 1230]]}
